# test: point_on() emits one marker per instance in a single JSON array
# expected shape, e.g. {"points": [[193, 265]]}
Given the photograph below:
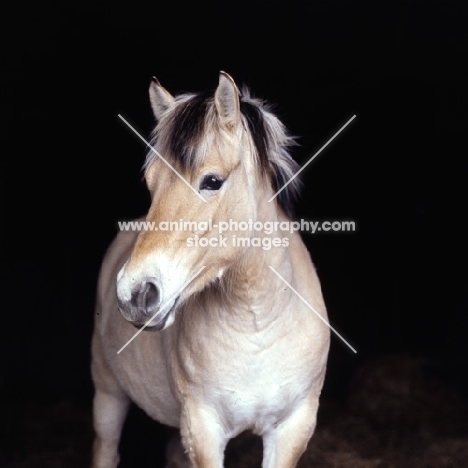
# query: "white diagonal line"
{"points": [[310, 307], [159, 311], [167, 164], [311, 159]]}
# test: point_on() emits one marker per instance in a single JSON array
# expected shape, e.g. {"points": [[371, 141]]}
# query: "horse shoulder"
{"points": [[139, 370]]}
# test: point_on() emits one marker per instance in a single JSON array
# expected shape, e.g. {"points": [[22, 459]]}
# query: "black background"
{"points": [[71, 169]]}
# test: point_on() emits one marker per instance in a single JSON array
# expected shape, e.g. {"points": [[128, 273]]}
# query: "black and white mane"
{"points": [[183, 135]]}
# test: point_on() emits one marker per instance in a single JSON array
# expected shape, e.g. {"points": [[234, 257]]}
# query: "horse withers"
{"points": [[235, 345]]}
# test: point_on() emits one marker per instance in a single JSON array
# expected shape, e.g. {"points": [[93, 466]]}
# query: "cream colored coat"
{"points": [[236, 348]]}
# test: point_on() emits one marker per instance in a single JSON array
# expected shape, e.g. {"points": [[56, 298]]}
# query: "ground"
{"points": [[394, 416]]}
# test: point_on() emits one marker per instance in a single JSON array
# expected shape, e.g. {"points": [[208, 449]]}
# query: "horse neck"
{"points": [[254, 288]]}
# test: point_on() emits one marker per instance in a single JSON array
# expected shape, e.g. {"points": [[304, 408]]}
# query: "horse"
{"points": [[231, 334]]}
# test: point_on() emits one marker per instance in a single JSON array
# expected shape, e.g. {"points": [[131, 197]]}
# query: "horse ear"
{"points": [[227, 100], [161, 100]]}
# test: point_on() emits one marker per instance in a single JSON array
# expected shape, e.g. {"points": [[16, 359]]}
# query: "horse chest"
{"points": [[253, 382], [260, 399]]}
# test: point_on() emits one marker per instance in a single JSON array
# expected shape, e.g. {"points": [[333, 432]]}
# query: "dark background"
{"points": [[71, 169]]}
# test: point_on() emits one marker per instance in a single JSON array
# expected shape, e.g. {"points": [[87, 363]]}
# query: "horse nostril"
{"points": [[146, 299]]}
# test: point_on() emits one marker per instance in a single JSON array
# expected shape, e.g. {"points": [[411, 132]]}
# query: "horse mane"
{"points": [[187, 131]]}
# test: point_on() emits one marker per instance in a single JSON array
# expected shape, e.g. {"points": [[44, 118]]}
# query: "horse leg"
{"points": [[109, 412], [202, 437], [110, 407], [284, 445]]}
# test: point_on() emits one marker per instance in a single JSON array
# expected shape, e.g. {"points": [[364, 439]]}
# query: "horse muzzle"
{"points": [[144, 307]]}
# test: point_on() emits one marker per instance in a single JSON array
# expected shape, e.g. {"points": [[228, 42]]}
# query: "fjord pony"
{"points": [[229, 346]]}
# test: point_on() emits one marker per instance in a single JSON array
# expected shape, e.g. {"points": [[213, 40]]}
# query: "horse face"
{"points": [[186, 250]]}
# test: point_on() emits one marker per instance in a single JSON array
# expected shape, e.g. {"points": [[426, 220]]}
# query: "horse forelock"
{"points": [[189, 130]]}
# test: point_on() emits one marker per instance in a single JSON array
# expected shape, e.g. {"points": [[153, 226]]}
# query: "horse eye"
{"points": [[211, 182]]}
